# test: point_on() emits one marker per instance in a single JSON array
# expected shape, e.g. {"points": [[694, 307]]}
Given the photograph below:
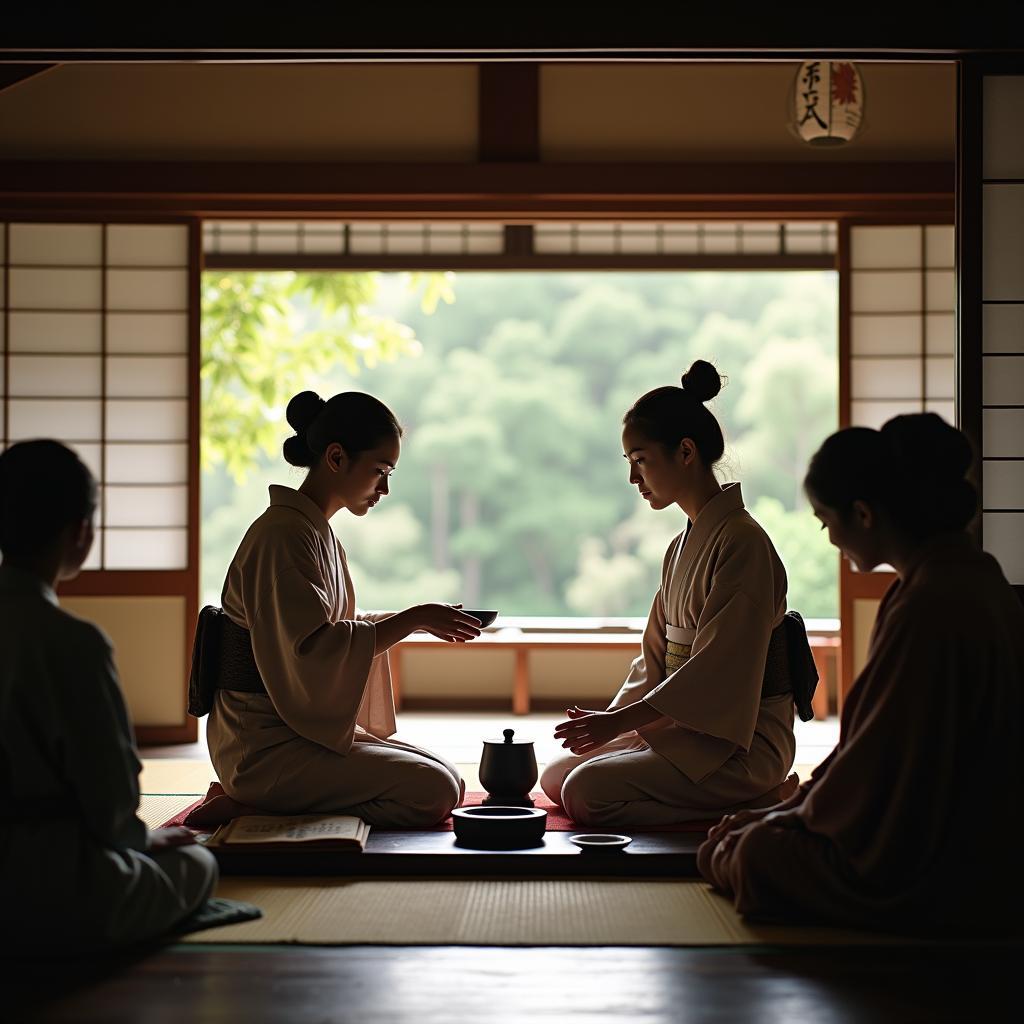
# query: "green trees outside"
{"points": [[512, 491]]}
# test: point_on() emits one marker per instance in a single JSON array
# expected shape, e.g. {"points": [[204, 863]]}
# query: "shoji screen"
{"points": [[100, 352], [897, 355], [902, 321], [1002, 293]]}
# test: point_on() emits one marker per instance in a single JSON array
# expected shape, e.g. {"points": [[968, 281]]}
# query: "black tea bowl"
{"points": [[485, 617]]}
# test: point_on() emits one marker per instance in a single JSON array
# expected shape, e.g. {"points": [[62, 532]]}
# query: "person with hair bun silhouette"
{"points": [[303, 718], [907, 825]]}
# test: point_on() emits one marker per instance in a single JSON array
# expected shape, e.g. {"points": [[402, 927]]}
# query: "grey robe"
{"points": [[73, 860]]}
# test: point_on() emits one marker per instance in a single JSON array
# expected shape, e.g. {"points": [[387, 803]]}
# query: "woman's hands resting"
{"points": [[587, 730]]}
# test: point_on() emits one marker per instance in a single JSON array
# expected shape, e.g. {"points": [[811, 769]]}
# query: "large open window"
{"points": [[511, 492], [511, 352]]}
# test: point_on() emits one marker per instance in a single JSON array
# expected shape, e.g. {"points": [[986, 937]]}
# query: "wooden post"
{"points": [[521, 683]]}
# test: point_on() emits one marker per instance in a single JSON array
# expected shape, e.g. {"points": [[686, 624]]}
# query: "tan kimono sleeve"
{"points": [[315, 667], [717, 691]]}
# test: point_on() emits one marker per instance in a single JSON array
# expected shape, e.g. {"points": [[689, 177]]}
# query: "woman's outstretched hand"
{"points": [[448, 622]]}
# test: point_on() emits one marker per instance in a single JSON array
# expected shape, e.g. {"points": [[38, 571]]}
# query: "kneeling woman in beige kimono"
{"points": [[690, 733], [78, 869], [312, 731], [908, 823]]}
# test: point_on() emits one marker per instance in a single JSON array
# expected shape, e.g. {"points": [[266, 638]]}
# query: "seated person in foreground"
{"points": [[312, 731], [80, 870], [907, 824], [695, 729]]}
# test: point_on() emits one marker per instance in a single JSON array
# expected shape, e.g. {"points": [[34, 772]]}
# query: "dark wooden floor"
{"points": [[459, 985]]}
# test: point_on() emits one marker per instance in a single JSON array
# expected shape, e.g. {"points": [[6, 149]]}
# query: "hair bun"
{"points": [[925, 445], [701, 381], [930, 460], [303, 409]]}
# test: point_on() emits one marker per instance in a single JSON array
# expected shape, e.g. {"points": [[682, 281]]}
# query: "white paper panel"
{"points": [[486, 238], [1003, 328], [3, 242], [277, 236], [940, 246], [886, 247], [1004, 538], [66, 419], [230, 238], [448, 241], [718, 238], [147, 332], [328, 238], [897, 291], [57, 376], [372, 238], [811, 237], [945, 409], [1003, 485], [1003, 242], [885, 378], [55, 289], [151, 420], [147, 289], [1003, 433], [146, 549], [57, 244], [679, 240], [147, 463], [1003, 141], [940, 377], [874, 414], [1002, 380], [155, 245], [760, 238], [886, 335], [147, 506], [147, 376], [56, 332], [940, 333], [940, 291]]}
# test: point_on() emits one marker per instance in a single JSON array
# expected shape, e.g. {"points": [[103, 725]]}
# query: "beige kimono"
{"points": [[702, 666], [319, 739]]}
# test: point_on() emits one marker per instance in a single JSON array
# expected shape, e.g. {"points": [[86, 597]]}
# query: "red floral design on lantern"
{"points": [[844, 84]]}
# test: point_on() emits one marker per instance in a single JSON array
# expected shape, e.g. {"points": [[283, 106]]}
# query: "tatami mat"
{"points": [[502, 913], [166, 775], [172, 775], [155, 810]]}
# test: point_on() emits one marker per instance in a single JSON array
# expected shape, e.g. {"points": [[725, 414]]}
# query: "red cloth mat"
{"points": [[217, 807]]}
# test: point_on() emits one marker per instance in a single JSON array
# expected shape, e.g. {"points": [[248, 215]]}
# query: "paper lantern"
{"points": [[828, 102]]}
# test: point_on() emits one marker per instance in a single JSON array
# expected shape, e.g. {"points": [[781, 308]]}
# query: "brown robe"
{"points": [[910, 822]]}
